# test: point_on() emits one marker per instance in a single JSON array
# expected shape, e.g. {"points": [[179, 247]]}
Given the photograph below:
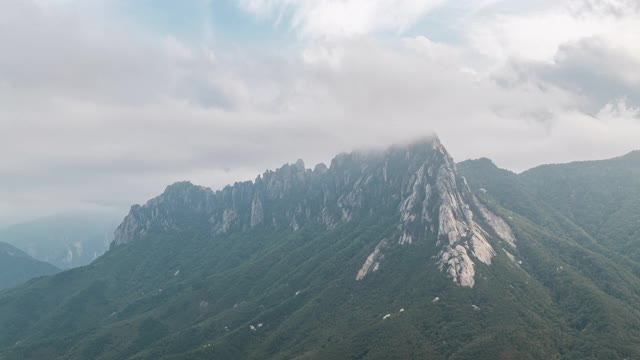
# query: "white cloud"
{"points": [[337, 18], [96, 113], [538, 35], [383, 93]]}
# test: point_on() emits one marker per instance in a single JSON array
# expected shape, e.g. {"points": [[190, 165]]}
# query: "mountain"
{"points": [[394, 254], [17, 267], [603, 197], [66, 241]]}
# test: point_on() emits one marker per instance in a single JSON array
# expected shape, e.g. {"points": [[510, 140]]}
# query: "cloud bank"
{"points": [[97, 112]]}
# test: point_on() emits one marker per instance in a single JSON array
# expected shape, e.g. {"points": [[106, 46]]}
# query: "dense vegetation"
{"points": [[17, 267], [596, 288], [267, 293], [603, 197]]}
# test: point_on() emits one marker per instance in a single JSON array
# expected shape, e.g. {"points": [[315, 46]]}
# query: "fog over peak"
{"points": [[103, 103]]}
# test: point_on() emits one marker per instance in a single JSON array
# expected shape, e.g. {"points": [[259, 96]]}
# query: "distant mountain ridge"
{"points": [[391, 254], [65, 240], [600, 196], [17, 267]]}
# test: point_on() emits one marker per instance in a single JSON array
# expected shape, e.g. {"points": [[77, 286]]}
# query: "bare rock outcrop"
{"points": [[418, 182]]}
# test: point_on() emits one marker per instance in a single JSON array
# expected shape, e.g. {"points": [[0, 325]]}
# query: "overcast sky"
{"points": [[103, 103]]}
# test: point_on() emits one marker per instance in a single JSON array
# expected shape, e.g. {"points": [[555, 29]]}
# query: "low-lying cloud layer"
{"points": [[99, 112]]}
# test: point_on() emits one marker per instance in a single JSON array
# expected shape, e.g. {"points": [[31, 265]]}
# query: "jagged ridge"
{"points": [[418, 181]]}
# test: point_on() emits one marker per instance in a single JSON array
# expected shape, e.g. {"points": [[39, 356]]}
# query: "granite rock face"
{"points": [[417, 182]]}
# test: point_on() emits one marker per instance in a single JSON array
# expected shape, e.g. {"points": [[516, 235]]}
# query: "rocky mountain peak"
{"points": [[436, 201], [418, 181]]}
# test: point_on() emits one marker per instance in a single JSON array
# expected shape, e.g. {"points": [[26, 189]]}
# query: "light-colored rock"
{"points": [[426, 202], [462, 235], [497, 224], [481, 247], [327, 219], [430, 197], [257, 212], [79, 248], [510, 256], [295, 226], [372, 262], [405, 238], [407, 213], [457, 263], [228, 217]]}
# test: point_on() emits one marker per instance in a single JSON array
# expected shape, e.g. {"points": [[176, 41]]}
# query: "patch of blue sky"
{"points": [[444, 24], [219, 21], [237, 25]]}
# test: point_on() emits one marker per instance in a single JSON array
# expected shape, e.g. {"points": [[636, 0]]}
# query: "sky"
{"points": [[103, 103]]}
